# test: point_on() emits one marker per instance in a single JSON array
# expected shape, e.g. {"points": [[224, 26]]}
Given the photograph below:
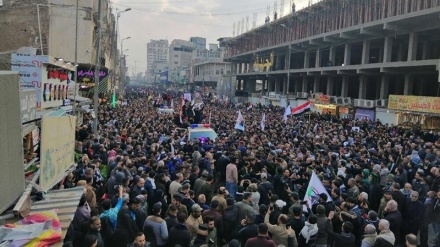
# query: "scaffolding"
{"points": [[325, 16]]}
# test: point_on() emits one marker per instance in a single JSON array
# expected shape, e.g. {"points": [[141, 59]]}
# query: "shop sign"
{"points": [[322, 99], [343, 110], [28, 104], [414, 103], [30, 71]]}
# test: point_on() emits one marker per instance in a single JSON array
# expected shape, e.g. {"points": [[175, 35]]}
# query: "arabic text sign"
{"points": [[57, 147], [414, 103]]}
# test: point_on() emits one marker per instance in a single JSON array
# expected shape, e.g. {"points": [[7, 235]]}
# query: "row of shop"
{"points": [[407, 111]]}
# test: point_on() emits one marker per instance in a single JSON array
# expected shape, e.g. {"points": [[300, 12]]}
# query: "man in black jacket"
{"points": [[249, 229], [428, 214], [179, 234], [395, 220]]}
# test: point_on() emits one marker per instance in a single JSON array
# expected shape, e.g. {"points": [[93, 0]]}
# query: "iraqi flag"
{"points": [[239, 122], [314, 189], [301, 108]]}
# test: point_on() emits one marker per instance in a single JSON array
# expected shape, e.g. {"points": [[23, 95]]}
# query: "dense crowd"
{"points": [[147, 184]]}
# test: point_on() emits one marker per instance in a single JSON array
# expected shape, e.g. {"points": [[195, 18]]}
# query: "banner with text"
{"points": [[414, 103], [57, 148]]}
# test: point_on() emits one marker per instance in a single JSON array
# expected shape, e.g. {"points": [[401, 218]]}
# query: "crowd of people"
{"points": [[147, 184]]}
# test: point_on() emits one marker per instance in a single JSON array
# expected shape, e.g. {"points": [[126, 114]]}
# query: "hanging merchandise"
{"points": [[55, 92], [50, 92], [45, 90]]}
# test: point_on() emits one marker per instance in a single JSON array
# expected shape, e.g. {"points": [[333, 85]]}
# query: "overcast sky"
{"points": [[181, 19]]}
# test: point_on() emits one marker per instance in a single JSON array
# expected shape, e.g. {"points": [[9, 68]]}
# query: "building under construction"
{"points": [[352, 49]]}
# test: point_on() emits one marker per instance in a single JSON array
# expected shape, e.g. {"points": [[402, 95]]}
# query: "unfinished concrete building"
{"points": [[357, 49]]}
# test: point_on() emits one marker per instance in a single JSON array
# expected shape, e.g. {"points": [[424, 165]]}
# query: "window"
{"points": [[217, 72], [176, 55], [175, 62]]}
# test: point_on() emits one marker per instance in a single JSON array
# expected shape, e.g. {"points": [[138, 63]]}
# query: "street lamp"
{"points": [[120, 63], [118, 14]]}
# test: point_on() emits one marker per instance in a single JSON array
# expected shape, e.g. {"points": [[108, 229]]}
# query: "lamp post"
{"points": [[122, 55], [118, 14]]}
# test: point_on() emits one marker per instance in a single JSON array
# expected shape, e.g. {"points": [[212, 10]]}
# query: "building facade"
{"points": [[199, 42], [157, 57], [180, 57], [356, 51], [55, 36]]}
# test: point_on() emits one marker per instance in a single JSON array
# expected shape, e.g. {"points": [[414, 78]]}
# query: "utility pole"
{"points": [[97, 68], [75, 76]]}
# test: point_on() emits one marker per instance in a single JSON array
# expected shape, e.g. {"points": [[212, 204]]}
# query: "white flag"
{"points": [[287, 112], [239, 122], [314, 189], [263, 121], [172, 104]]}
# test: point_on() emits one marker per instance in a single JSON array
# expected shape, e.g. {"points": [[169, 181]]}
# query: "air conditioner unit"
{"points": [[359, 103], [384, 103], [302, 95], [339, 101], [346, 101], [378, 103], [369, 103], [333, 99]]}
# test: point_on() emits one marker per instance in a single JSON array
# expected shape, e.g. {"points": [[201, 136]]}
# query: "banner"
{"points": [[239, 122], [57, 148], [414, 103], [314, 189], [263, 122], [287, 112]]}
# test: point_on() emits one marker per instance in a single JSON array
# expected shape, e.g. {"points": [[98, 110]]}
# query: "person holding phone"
{"points": [[278, 231]]}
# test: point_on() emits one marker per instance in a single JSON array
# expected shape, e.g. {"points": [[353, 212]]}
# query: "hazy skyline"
{"points": [[182, 19]]}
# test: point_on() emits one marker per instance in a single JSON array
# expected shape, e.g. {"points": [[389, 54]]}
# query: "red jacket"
{"points": [[260, 241]]}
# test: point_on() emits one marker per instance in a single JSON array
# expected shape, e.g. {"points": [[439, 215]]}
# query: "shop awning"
{"points": [[65, 201], [81, 100]]}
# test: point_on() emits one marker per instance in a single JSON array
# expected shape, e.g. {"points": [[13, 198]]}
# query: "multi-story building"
{"points": [[180, 57], [199, 42], [157, 57], [355, 52], [50, 27], [208, 68]]}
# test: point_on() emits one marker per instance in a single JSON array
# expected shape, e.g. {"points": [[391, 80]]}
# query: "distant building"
{"points": [[199, 42], [157, 57], [180, 57]]}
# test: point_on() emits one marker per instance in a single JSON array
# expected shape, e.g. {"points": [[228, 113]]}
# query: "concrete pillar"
{"points": [[332, 55], [330, 82], [316, 84], [408, 87], [344, 89], [304, 85], [318, 58], [306, 59], [412, 46], [384, 87], [425, 51], [362, 87], [366, 52], [388, 49], [347, 54]]}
